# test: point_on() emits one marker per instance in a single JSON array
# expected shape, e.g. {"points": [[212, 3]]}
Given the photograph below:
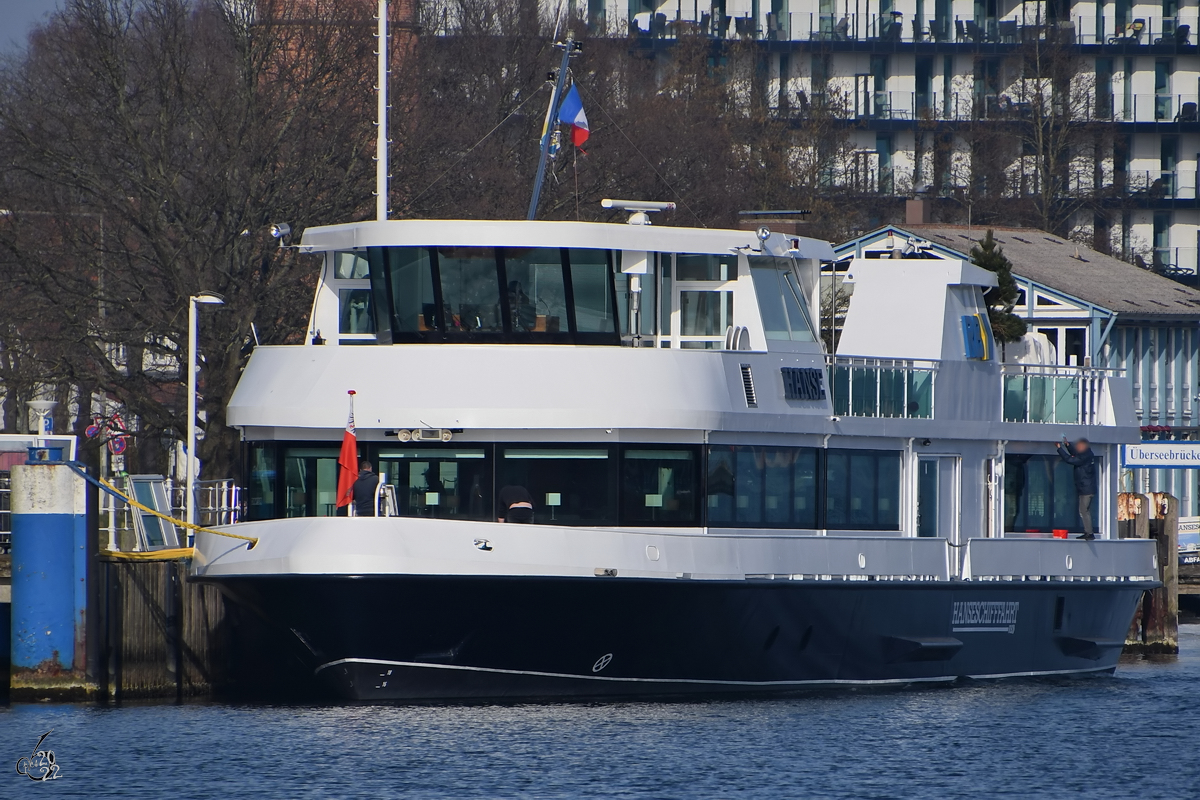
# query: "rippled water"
{"points": [[1136, 735]]}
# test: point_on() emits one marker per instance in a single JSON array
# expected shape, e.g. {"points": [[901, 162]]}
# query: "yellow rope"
{"points": [[253, 540], [170, 554]]}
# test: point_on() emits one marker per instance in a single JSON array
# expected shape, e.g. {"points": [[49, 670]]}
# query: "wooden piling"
{"points": [[1155, 627], [162, 636]]}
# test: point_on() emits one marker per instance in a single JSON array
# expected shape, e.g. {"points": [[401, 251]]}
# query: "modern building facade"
{"points": [[1081, 115]]}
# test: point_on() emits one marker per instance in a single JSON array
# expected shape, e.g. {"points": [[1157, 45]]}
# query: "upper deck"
{"points": [[916, 355]]}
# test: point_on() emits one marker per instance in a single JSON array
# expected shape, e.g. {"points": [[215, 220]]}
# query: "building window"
{"points": [[862, 490], [660, 485], [762, 487], [1039, 495]]}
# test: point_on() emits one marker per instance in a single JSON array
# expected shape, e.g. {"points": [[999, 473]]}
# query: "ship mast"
{"points": [[570, 47], [381, 140]]}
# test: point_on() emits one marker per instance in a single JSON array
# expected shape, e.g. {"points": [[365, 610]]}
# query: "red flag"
{"points": [[348, 460]]}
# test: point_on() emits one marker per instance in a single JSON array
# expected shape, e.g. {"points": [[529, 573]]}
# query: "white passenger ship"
{"points": [[720, 506]]}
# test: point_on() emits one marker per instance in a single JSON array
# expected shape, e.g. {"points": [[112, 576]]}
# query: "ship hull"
{"points": [[438, 638]]}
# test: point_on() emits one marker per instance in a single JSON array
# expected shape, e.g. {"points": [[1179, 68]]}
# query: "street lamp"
{"points": [[205, 298]]}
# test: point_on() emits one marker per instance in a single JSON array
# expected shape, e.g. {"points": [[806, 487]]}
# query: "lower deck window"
{"points": [[442, 483], [1040, 496], [569, 485], [746, 486], [660, 486]]}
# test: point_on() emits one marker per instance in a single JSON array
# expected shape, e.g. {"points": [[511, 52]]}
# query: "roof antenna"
{"points": [[639, 209], [381, 140]]}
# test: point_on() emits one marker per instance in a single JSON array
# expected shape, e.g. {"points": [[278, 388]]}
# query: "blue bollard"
{"points": [[49, 576]]}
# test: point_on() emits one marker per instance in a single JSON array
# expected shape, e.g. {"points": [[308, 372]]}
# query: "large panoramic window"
{"points": [[1040, 496], [453, 483], [762, 487], [486, 294], [862, 490], [570, 485], [660, 485]]}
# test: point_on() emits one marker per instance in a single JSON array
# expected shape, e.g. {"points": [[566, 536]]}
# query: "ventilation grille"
{"points": [[748, 385]]}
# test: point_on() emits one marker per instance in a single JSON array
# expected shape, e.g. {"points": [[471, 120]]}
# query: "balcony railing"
{"points": [[1053, 394], [898, 28], [880, 387], [865, 102]]}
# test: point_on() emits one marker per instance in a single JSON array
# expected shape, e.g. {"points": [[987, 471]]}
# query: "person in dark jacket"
{"points": [[516, 503], [1081, 457], [364, 490]]}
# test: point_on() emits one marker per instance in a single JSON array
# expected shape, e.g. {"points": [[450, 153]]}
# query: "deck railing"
{"points": [[1055, 394], [881, 387]]}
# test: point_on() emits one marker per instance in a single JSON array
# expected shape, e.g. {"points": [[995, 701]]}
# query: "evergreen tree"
{"points": [[1006, 326]]}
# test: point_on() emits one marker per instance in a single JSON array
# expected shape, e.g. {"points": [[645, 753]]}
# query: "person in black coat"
{"points": [[1081, 457], [364, 490]]}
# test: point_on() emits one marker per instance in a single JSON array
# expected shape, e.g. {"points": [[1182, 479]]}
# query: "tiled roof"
{"points": [[1076, 270]]}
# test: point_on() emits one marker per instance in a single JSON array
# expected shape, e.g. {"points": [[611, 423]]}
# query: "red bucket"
{"points": [[1060, 533]]}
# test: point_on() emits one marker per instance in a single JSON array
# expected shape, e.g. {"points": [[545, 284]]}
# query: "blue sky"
{"points": [[17, 18]]}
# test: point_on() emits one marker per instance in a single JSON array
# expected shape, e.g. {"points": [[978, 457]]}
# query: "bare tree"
{"points": [[180, 130]]}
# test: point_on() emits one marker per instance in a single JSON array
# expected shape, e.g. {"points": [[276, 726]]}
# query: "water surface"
{"points": [[1133, 735]]}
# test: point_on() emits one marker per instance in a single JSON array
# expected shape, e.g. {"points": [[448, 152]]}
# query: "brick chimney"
{"points": [[916, 212]]}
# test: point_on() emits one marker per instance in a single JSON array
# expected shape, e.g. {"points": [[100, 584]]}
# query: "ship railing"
{"points": [[1112, 560], [881, 387], [1056, 394]]}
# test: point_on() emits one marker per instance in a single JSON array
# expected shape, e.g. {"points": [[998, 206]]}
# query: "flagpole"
{"points": [[568, 47]]}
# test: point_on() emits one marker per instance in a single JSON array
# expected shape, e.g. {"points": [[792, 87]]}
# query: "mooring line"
{"points": [[151, 555]]}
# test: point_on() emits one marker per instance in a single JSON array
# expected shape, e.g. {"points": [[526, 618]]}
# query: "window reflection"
{"points": [[350, 265], [762, 487], [705, 267], [410, 273], [659, 486], [1040, 496], [862, 490], [780, 301], [594, 311]]}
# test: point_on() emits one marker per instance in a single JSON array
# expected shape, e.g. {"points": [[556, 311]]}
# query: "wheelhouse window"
{"points": [[355, 313], [445, 483], [784, 311], [537, 294], [762, 487], [660, 486], [486, 294], [570, 485]]}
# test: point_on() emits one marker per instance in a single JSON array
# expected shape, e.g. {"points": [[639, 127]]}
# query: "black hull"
{"points": [[462, 637]]}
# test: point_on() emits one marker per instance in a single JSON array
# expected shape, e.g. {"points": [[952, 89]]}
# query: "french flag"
{"points": [[571, 113]]}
